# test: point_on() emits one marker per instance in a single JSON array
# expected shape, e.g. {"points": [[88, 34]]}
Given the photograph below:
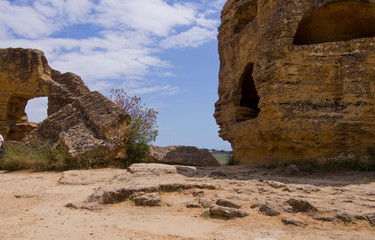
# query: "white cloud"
{"points": [[161, 90], [152, 16], [126, 47], [24, 21], [191, 38]]}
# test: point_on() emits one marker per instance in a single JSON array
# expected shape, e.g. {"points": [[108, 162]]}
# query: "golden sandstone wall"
{"points": [[297, 80]]}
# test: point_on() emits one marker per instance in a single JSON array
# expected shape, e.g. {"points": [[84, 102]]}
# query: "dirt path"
{"points": [[33, 205]]}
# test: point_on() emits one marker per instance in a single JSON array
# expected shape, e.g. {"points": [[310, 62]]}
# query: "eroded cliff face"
{"points": [[297, 80], [88, 124]]}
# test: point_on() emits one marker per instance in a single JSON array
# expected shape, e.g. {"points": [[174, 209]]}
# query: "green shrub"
{"points": [[41, 157], [143, 128]]}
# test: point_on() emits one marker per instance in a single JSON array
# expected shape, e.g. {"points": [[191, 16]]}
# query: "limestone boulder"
{"points": [[297, 80], [86, 123], [181, 155]]}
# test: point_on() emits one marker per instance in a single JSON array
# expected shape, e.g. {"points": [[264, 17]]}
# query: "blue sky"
{"points": [[164, 51]]}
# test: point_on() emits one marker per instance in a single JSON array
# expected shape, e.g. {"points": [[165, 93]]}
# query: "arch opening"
{"points": [[36, 109], [340, 21], [249, 100], [17, 119]]}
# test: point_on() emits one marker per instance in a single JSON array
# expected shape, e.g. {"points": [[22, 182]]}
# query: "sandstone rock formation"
{"points": [[181, 155], [297, 80], [88, 124]]}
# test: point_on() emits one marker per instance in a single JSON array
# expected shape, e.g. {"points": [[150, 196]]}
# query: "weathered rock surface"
{"points": [[371, 218], [299, 205], [345, 217], [181, 155], [228, 212], [228, 203], [146, 199], [125, 185], [269, 209], [32, 201], [89, 125], [291, 221], [296, 80], [86, 177]]}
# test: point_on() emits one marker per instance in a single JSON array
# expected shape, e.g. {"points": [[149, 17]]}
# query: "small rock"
{"points": [[254, 205], [24, 196], [324, 218], [310, 189], [193, 205], [198, 192], [262, 190], [345, 217], [228, 203], [286, 189], [72, 205], [301, 205], [227, 212], [204, 203], [360, 217], [291, 221], [148, 199], [269, 209], [275, 184], [371, 218], [292, 170], [92, 207]]}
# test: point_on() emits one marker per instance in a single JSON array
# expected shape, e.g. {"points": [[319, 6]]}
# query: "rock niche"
{"points": [[297, 80]]}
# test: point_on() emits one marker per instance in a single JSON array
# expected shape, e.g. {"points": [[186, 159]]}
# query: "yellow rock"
{"points": [[297, 80]]}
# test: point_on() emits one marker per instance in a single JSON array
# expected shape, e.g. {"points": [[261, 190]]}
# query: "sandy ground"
{"points": [[32, 206]]}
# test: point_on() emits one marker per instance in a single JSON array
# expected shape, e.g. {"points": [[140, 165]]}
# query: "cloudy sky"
{"points": [[164, 51]]}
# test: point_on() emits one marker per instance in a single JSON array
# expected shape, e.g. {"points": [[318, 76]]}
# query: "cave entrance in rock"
{"points": [[19, 110], [249, 96], [339, 21]]}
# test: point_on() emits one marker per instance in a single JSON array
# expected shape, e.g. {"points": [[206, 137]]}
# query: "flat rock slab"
{"points": [[228, 212], [228, 203], [85, 177]]}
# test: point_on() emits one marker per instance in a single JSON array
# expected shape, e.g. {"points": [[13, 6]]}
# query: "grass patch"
{"points": [[41, 157], [224, 158]]}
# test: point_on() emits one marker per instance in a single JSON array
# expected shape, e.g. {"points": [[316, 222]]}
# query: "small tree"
{"points": [[143, 128]]}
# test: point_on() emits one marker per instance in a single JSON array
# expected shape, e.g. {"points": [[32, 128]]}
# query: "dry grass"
{"points": [[19, 156]]}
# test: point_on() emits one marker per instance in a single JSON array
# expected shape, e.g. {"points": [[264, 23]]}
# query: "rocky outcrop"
{"points": [[87, 124], [181, 155], [296, 80]]}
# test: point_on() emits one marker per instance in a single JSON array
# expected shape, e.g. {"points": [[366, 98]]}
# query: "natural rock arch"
{"points": [[90, 126], [339, 21]]}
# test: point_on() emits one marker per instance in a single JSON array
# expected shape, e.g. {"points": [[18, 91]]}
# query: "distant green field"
{"points": [[223, 158]]}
